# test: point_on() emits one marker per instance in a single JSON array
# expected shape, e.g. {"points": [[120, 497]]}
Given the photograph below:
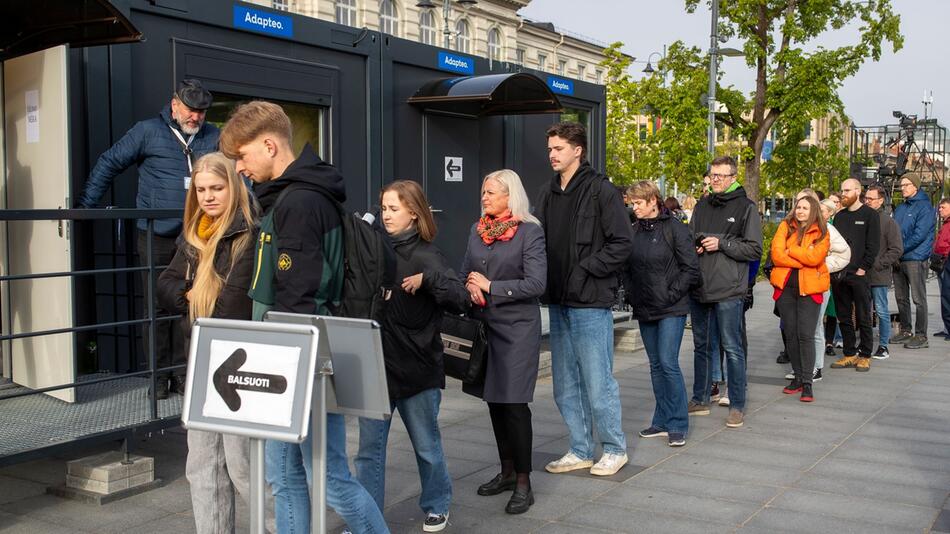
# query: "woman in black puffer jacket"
{"points": [[412, 348], [658, 277]]}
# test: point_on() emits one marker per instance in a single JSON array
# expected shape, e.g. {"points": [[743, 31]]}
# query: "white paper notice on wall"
{"points": [[32, 116], [453, 168]]}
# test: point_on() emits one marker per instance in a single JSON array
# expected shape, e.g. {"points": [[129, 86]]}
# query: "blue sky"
{"points": [[897, 82]]}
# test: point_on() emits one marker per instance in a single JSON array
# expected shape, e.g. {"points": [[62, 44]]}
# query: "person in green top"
{"points": [[298, 268]]}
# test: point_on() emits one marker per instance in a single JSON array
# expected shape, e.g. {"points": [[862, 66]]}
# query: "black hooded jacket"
{"points": [[588, 242], [412, 344]]}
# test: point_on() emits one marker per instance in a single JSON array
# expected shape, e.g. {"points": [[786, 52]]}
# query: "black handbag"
{"points": [[936, 263], [465, 345]]}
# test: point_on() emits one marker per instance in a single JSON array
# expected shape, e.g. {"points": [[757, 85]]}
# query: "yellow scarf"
{"points": [[206, 226]]}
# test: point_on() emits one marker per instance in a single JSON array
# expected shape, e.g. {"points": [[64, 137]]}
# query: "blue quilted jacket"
{"points": [[152, 146], [917, 220]]}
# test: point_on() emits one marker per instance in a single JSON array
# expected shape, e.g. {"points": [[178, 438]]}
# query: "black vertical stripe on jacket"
{"points": [[662, 270], [412, 342]]}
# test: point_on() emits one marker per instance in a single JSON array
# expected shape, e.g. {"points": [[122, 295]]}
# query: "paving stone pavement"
{"points": [[872, 454]]}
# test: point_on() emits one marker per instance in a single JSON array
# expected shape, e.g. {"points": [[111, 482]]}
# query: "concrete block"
{"points": [[97, 486], [109, 466]]}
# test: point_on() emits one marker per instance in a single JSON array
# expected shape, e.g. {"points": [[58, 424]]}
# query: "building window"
{"points": [[542, 61], [346, 12], [280, 5], [427, 27], [519, 56], [388, 17], [599, 76], [581, 71], [463, 39], [494, 44], [561, 66]]}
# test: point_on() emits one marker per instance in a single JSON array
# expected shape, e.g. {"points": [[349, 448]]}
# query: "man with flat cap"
{"points": [[164, 148]]}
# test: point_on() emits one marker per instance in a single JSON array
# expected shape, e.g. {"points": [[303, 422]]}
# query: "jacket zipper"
{"points": [[260, 258]]}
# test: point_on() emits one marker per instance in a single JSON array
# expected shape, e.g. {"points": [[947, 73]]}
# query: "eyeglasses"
{"points": [[721, 176], [906, 184], [869, 199]]}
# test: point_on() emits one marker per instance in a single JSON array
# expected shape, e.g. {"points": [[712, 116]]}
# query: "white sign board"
{"points": [[453, 168], [251, 382]]}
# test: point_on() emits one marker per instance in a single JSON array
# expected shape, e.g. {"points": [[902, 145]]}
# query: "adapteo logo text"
{"points": [[558, 84], [263, 22], [459, 64], [456, 62]]}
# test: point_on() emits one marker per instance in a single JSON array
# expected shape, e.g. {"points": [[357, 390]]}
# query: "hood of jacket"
{"points": [[582, 175], [720, 199], [310, 171]]}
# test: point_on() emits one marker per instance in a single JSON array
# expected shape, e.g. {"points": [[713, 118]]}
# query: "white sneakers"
{"points": [[608, 465]]}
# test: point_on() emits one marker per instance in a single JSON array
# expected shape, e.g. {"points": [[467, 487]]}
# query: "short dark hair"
{"points": [[573, 132], [945, 200], [671, 203], [877, 189], [725, 160]]}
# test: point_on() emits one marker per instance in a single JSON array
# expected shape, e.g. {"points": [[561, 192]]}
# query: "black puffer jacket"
{"points": [[662, 271], [233, 302], [412, 342]]}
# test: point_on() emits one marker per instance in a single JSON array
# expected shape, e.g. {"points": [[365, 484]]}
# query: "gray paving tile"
{"points": [[14, 489], [112, 517], [13, 524], [679, 504], [701, 486], [862, 487], [561, 528], [755, 455], [924, 448], [731, 469], [467, 519], [174, 497], [801, 444], [895, 457], [616, 519], [942, 524], [882, 473], [856, 509], [778, 520], [547, 506]]}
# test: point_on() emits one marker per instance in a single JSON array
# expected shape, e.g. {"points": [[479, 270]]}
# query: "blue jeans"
{"points": [[714, 325], [290, 472], [662, 341], [420, 414], [586, 393], [883, 315]]}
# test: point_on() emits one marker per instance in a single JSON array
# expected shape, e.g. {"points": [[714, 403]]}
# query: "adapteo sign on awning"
{"points": [[260, 21]]}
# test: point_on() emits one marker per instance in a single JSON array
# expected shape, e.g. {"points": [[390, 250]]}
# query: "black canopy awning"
{"points": [[31, 25], [492, 94]]}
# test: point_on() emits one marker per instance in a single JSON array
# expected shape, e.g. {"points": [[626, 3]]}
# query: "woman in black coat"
{"points": [[209, 277], [659, 275], [412, 349], [505, 268]]}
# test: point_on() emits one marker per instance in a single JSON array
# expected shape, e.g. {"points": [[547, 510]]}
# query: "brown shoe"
{"points": [[845, 361], [735, 418], [864, 365]]}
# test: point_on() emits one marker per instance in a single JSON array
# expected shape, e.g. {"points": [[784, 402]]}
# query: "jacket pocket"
{"points": [[585, 227], [581, 286]]}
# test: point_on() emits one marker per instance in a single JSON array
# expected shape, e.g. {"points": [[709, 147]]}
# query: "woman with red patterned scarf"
{"points": [[505, 269]]}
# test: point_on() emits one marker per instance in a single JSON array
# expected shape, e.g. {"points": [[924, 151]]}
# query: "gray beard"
{"points": [[185, 129]]}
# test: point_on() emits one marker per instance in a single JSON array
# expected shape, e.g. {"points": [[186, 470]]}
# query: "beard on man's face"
{"points": [[189, 128], [847, 200]]}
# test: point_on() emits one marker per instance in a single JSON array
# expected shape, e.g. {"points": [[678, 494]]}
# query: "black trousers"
{"points": [[169, 341], [799, 320], [513, 435], [852, 290]]}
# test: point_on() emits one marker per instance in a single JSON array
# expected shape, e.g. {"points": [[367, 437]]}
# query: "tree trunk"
{"points": [[753, 170]]}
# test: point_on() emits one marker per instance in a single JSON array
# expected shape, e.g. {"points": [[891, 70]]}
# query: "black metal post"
{"points": [[150, 303]]}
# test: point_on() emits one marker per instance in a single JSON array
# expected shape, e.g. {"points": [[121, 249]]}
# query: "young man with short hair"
{"points": [[916, 219], [299, 269], [881, 272], [589, 239]]}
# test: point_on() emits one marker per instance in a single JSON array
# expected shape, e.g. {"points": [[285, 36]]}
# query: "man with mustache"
{"points": [[164, 149]]}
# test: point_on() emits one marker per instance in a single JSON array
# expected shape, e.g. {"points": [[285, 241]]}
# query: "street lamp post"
{"points": [[713, 74], [446, 9]]}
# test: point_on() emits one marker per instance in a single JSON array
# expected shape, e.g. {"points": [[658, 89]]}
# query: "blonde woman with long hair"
{"points": [[209, 277]]}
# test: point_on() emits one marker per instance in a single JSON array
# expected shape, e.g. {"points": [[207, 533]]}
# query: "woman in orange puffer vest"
{"points": [[800, 277]]}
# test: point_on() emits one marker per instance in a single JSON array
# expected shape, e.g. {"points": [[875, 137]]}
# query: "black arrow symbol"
{"points": [[451, 167], [228, 379]]}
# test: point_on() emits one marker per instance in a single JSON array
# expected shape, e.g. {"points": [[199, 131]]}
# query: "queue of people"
{"points": [[240, 253]]}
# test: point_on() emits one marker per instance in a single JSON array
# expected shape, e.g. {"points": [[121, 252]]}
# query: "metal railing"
{"points": [[151, 319]]}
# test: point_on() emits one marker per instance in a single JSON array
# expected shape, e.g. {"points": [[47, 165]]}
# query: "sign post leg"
{"points": [[318, 429], [257, 486]]}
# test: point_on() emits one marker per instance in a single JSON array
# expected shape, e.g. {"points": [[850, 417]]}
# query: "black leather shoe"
{"points": [[520, 501], [498, 485]]}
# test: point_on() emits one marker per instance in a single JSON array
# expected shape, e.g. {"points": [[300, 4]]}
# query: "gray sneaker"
{"points": [[735, 418], [695, 408], [917, 342], [902, 337]]}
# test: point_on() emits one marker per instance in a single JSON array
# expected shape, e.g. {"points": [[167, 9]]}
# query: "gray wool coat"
{"points": [[517, 270]]}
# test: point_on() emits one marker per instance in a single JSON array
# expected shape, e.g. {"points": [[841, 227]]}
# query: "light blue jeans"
{"points": [[290, 473], [820, 332], [420, 414], [585, 391], [662, 340], [883, 314]]}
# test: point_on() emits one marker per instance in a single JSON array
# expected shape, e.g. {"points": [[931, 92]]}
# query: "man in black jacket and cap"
{"points": [[728, 236], [589, 239]]}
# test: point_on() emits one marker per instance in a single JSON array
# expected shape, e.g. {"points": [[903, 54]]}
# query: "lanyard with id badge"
{"points": [[186, 149]]}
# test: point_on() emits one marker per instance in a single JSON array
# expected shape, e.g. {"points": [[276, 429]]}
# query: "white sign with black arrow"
{"points": [[251, 382], [453, 168]]}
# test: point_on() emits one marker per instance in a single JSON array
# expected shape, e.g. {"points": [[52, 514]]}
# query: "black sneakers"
{"points": [[882, 353], [829, 351], [782, 358], [807, 395], [817, 376], [435, 522]]}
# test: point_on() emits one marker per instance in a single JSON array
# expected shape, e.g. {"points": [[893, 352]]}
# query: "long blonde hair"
{"points": [[517, 198], [208, 282]]}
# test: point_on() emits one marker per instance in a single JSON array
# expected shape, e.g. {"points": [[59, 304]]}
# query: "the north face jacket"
{"points": [[918, 221]]}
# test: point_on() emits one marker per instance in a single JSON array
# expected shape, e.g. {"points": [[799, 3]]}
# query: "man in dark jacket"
{"points": [[917, 222], [728, 234], [588, 238], [860, 227], [299, 269], [164, 149], [881, 272]]}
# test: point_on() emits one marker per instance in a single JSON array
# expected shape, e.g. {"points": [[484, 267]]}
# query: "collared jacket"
{"points": [[917, 222], [731, 217], [162, 165], [808, 257], [889, 254], [601, 240]]}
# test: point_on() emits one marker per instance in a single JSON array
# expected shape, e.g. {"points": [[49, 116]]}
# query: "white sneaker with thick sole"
{"points": [[568, 462], [609, 464], [724, 400]]}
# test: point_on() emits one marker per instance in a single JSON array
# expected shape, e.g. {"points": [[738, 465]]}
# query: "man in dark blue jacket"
{"points": [[164, 149], [917, 221]]}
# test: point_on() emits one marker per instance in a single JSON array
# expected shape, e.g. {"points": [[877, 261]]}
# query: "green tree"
{"points": [[795, 78]]}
